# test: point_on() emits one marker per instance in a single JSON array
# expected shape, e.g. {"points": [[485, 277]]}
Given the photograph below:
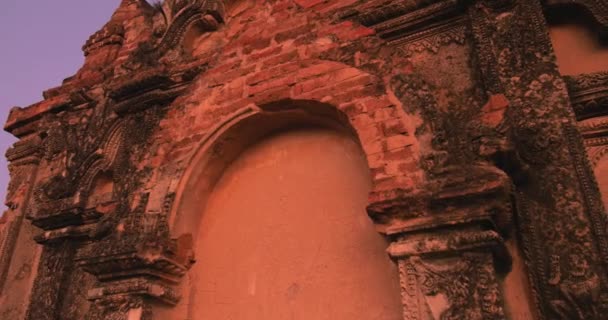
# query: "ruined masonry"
{"points": [[317, 159]]}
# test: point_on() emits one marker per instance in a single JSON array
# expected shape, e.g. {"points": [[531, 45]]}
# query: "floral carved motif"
{"points": [[567, 220], [462, 287]]}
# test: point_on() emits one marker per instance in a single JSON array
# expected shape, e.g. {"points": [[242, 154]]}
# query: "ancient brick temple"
{"points": [[317, 159]]}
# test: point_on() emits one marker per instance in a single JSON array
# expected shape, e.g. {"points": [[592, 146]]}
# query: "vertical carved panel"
{"points": [[560, 215], [461, 287], [56, 264], [450, 275], [23, 167]]}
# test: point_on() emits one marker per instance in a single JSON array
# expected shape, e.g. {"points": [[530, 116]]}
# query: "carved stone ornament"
{"points": [[451, 288], [181, 14], [413, 24], [446, 244], [567, 220], [589, 94], [60, 201]]}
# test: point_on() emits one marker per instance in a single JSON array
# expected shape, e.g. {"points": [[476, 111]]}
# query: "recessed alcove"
{"points": [[276, 204], [577, 43], [102, 190]]}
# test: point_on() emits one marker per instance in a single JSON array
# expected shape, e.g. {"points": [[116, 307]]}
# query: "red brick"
{"points": [[254, 57], [266, 85], [308, 3], [399, 154], [293, 33], [256, 44], [393, 127], [397, 142], [272, 73], [271, 95], [280, 59], [330, 79]]}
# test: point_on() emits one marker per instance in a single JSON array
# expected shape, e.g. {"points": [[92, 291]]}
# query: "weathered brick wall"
{"points": [[445, 103]]}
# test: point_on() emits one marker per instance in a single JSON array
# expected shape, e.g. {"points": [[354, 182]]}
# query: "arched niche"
{"points": [[265, 249], [101, 191], [229, 138], [580, 42]]}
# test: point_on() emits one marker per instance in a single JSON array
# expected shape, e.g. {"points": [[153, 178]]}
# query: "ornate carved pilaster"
{"points": [[55, 265], [24, 157], [448, 244], [561, 220], [136, 267], [589, 94], [457, 286]]}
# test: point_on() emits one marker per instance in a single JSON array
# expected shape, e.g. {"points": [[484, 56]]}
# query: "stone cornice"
{"points": [[25, 151], [152, 87], [119, 291], [589, 94], [400, 19], [460, 198], [449, 242], [22, 117]]}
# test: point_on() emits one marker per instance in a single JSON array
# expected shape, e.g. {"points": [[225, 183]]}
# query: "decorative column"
{"points": [[24, 157], [136, 267], [560, 216], [448, 243]]}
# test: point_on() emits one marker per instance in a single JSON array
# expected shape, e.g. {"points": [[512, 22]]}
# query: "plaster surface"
{"points": [[601, 172], [285, 235], [578, 49]]}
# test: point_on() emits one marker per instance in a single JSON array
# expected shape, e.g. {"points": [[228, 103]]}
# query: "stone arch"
{"points": [[96, 164], [216, 154], [235, 133], [101, 189]]}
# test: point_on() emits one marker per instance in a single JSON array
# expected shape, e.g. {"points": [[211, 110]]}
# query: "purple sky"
{"points": [[40, 45]]}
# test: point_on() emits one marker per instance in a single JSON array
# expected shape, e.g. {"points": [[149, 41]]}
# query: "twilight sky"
{"points": [[40, 45]]}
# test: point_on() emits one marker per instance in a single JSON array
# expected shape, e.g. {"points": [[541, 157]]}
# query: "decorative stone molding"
{"points": [[452, 31], [589, 94], [111, 34], [152, 87], [450, 288], [143, 262], [446, 243], [416, 26], [546, 143], [60, 201], [180, 15], [596, 154]]}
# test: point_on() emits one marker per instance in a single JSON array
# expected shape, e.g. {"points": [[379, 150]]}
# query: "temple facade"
{"points": [[317, 160]]}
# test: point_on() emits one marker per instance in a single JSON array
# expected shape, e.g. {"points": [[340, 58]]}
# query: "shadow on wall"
{"points": [[579, 47]]}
